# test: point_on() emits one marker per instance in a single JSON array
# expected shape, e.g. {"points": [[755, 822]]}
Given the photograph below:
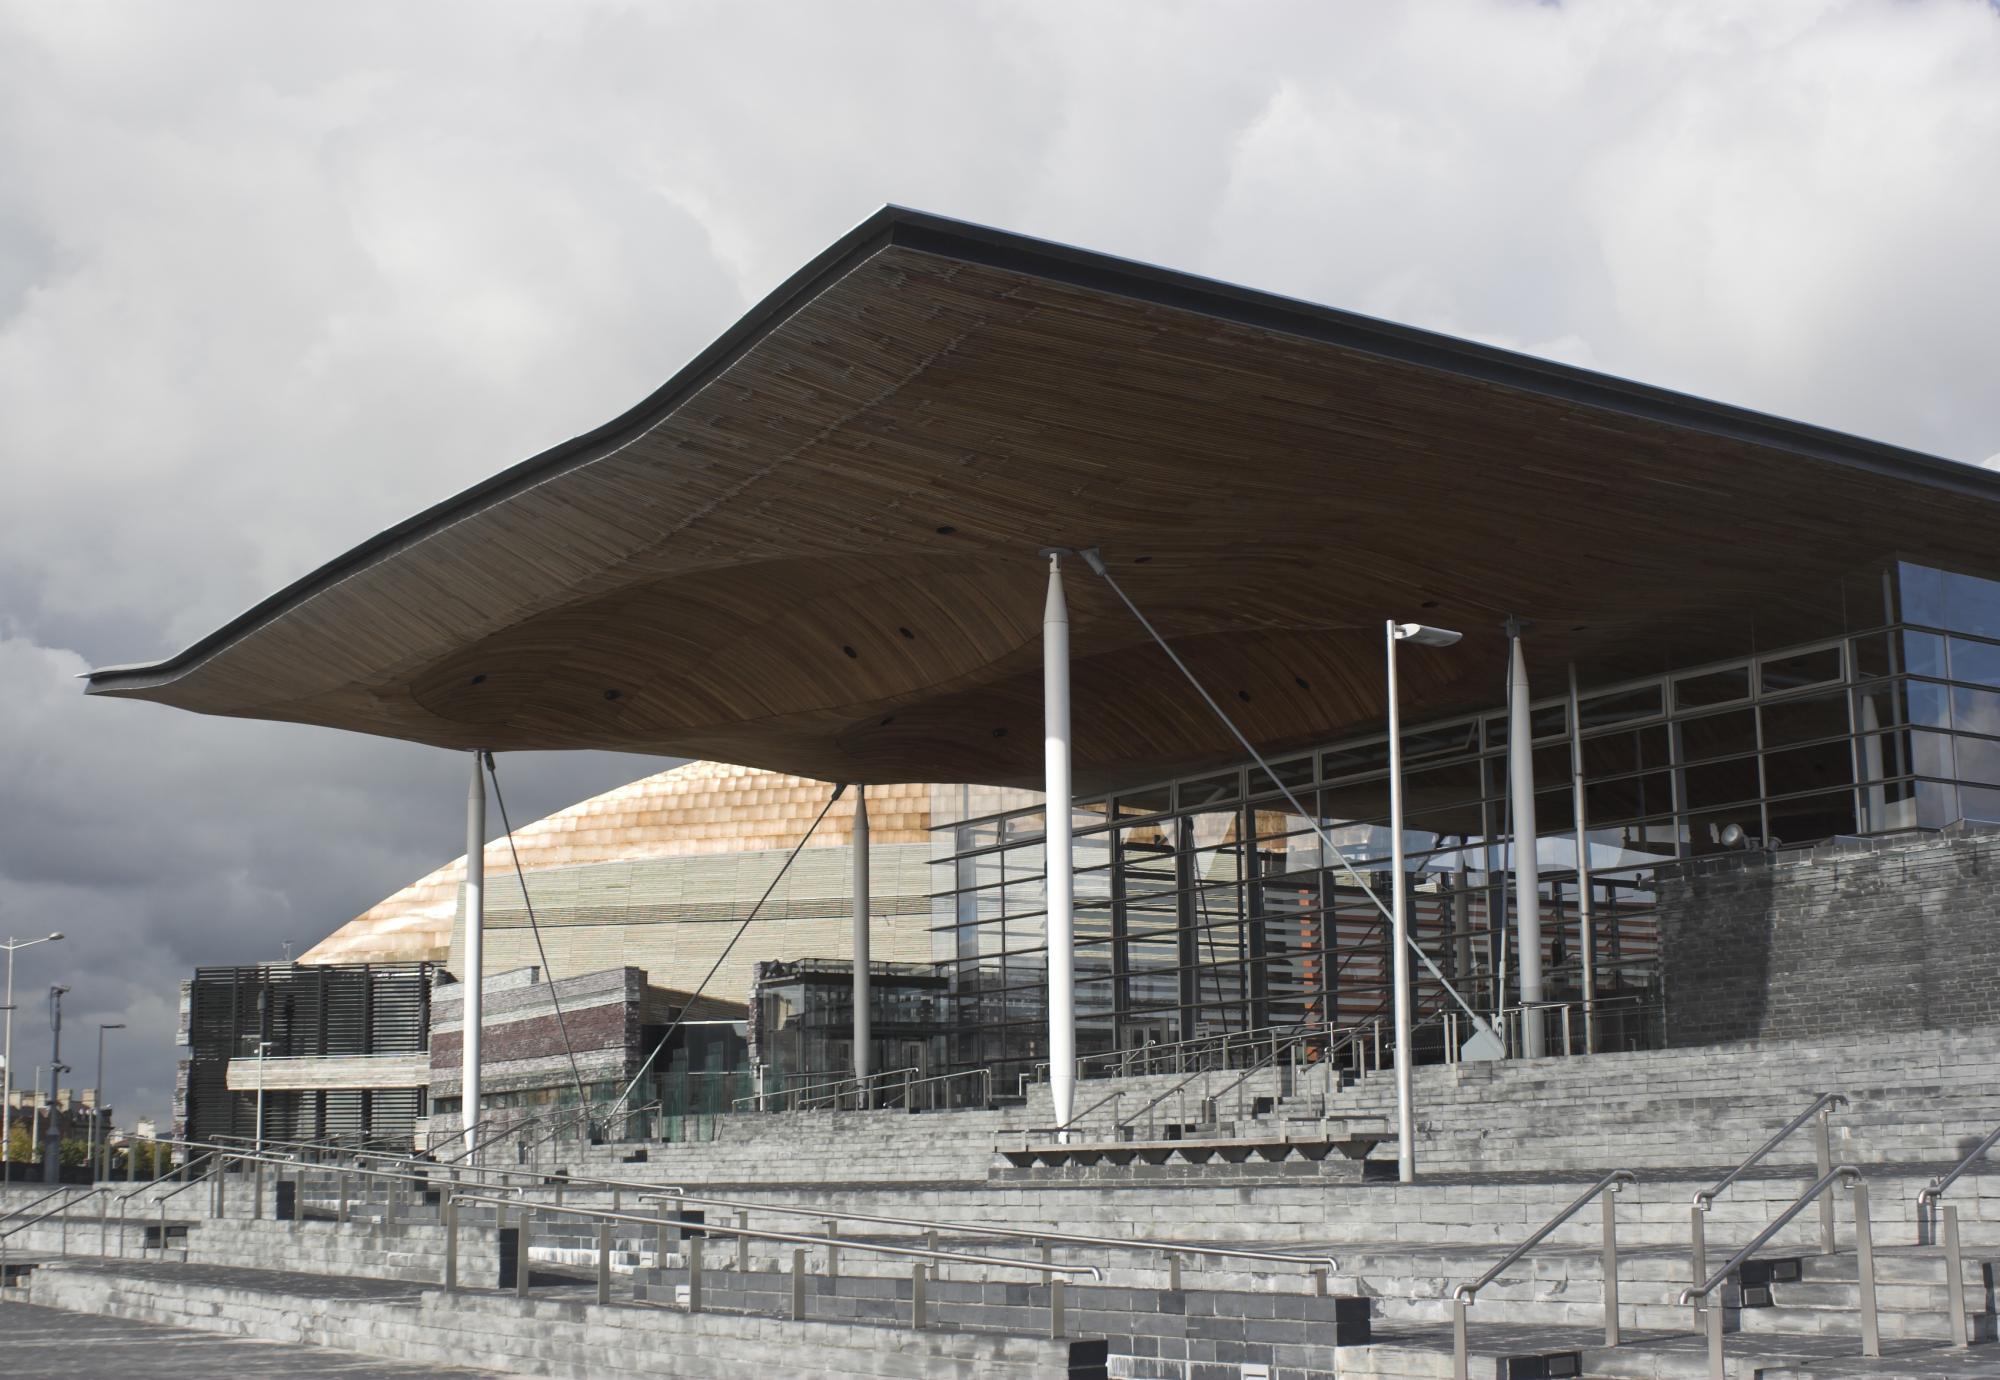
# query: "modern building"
{"points": [[957, 504]]}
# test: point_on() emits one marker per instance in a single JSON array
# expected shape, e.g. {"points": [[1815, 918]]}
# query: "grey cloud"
{"points": [[274, 277]]}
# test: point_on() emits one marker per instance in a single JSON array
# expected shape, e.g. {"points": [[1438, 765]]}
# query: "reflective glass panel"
{"points": [[1712, 687], [1975, 661], [1971, 605], [1975, 711], [1817, 667], [1719, 735], [1619, 707], [1804, 719]]}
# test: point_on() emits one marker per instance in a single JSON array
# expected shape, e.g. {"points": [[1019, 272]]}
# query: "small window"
{"points": [[1292, 775], [1355, 759], [1712, 687], [1777, 674], [1209, 790], [1618, 707]]}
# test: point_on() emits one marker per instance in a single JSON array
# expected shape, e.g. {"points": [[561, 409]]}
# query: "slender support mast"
{"points": [[1056, 807], [1406, 1130], [1585, 921], [473, 978], [1527, 875], [862, 1013]]}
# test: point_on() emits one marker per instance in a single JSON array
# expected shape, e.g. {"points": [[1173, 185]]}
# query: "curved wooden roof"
{"points": [[815, 549], [703, 808]]}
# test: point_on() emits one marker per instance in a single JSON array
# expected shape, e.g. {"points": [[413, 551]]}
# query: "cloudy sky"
{"points": [[274, 276]]}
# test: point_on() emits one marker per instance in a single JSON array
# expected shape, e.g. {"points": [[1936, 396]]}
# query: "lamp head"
{"points": [[120, 1025], [55, 934], [1421, 635]]}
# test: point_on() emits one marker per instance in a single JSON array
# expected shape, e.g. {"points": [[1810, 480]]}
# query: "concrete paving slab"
{"points": [[55, 1344]]}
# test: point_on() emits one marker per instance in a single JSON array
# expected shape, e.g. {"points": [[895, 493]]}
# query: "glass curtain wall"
{"points": [[1208, 905]]}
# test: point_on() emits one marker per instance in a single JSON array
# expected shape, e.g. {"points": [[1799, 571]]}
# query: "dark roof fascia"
{"points": [[976, 244]]}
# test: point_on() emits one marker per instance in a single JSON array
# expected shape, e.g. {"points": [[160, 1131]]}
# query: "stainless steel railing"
{"points": [[1464, 1295], [1864, 1249], [1320, 1267], [920, 1255], [1937, 1224], [1822, 1108]]}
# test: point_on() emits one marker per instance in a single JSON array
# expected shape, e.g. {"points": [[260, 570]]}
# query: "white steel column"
{"points": [[1406, 1128], [862, 1014], [1527, 873], [1057, 855], [1586, 923], [473, 978]]}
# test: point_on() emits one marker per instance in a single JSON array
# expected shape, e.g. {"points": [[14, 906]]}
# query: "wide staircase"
{"points": [[1553, 1231]]}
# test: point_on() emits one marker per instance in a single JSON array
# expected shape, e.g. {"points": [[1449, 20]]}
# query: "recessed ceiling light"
{"points": [[479, 679], [614, 694], [946, 531], [850, 652]]}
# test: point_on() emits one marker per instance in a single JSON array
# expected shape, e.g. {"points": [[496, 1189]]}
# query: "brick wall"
{"points": [[1853, 937]]}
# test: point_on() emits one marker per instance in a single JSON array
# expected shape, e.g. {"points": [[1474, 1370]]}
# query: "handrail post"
{"points": [[1954, 1276], [1056, 1321], [661, 1240], [1698, 1233], [1823, 1157], [1610, 1264], [1714, 1324], [1459, 1362], [743, 1241], [604, 1268], [522, 1229], [1173, 1273], [832, 1251], [451, 1243], [340, 1183], [1864, 1253], [257, 1192], [798, 1285]]}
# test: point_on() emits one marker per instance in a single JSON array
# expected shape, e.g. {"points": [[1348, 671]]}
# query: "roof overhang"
{"points": [[815, 549]]}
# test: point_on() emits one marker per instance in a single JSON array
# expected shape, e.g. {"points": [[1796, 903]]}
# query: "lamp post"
{"points": [[52, 1137], [7, 1058], [97, 1111], [1406, 1127]]}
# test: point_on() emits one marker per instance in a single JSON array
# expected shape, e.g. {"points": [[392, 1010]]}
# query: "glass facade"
{"points": [[1208, 904]]}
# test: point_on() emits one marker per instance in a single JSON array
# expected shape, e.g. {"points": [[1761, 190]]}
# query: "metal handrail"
{"points": [[533, 1178], [1823, 1162], [30, 1207], [1464, 1295], [55, 1211], [1297, 1033], [859, 1083], [1041, 1267], [1615, 1182], [1871, 1338], [1030, 1234], [185, 1184], [1927, 1197], [1825, 1102]]}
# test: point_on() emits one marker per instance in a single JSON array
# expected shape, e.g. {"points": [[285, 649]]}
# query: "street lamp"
{"points": [[1406, 1127], [97, 1111], [52, 1137], [7, 1058]]}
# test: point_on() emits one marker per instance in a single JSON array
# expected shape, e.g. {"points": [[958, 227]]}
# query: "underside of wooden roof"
{"points": [[815, 550]]}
